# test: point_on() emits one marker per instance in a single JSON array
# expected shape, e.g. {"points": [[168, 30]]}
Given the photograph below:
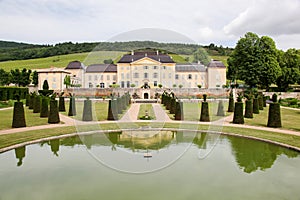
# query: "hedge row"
{"points": [[7, 93]]}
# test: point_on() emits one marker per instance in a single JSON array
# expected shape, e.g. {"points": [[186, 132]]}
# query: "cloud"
{"points": [[271, 17]]}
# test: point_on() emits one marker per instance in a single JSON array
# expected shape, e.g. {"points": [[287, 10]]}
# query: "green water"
{"points": [[182, 166]]}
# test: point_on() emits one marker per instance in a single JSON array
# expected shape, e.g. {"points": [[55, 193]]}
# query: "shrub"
{"points": [[173, 105], [238, 117], [18, 115], [27, 99], [220, 109], [61, 104], [53, 117], [72, 107], [255, 106], [112, 110], [264, 101], [179, 111], [87, 111], [249, 109], [44, 107], [204, 112], [30, 106], [37, 104], [231, 105], [260, 102], [274, 117]]}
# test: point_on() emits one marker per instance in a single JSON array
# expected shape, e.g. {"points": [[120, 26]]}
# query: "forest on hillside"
{"points": [[23, 51]]}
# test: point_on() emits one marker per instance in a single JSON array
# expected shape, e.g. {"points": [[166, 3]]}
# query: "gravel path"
{"points": [[160, 114], [131, 114]]}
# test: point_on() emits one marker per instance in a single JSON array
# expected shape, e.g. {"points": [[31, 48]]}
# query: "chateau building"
{"points": [[146, 69]]}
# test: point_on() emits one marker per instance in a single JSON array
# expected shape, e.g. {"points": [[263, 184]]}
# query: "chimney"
{"points": [[156, 52], [132, 52], [145, 54]]}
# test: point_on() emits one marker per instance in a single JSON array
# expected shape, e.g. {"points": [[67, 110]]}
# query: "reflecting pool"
{"points": [[150, 165]]}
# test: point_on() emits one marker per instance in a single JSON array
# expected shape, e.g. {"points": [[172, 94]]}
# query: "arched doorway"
{"points": [[146, 95]]}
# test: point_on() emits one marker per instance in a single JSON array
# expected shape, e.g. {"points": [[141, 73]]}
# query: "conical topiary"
{"points": [[238, 117], [172, 106], [274, 118], [87, 111], [37, 104], [179, 111], [220, 111], [265, 101], [53, 117], [204, 116], [31, 98], [231, 103], [249, 108], [44, 107], [72, 107], [27, 99], [18, 114], [61, 104], [260, 102], [255, 106]]}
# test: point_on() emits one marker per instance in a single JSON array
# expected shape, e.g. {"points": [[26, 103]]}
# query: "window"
{"points": [[136, 83], [176, 76], [155, 83], [122, 84], [128, 84], [154, 67], [145, 75], [190, 76], [90, 85], [53, 85], [108, 77], [164, 67], [95, 77], [102, 85], [136, 75], [155, 75], [122, 76], [145, 67], [127, 75]]}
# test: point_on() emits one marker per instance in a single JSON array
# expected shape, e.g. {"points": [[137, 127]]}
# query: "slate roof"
{"points": [[190, 67], [216, 64], [102, 68], [163, 58], [75, 65]]}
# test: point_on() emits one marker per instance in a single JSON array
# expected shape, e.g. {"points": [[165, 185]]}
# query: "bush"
{"points": [[179, 111], [204, 112], [7, 93], [172, 106], [249, 109], [30, 106], [72, 107], [220, 109], [231, 105], [87, 111], [53, 117], [260, 102], [264, 101], [274, 117], [238, 117], [44, 107], [255, 106], [112, 110], [18, 115], [61, 104], [37, 104]]}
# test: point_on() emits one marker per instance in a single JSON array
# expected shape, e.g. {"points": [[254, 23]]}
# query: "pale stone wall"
{"points": [[92, 79], [216, 77]]}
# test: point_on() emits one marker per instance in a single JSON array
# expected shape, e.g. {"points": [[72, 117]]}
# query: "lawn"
{"points": [[221, 58], [191, 111], [32, 119], [146, 107], [60, 61], [289, 118]]}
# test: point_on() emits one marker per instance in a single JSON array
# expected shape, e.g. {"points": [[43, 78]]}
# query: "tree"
{"points": [[16, 76], [67, 81], [202, 56], [5, 77], [45, 85], [254, 61], [108, 61], [35, 78], [289, 63], [20, 78]]}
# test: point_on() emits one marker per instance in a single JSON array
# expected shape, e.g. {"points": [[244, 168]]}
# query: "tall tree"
{"points": [[254, 61], [289, 62], [35, 78], [5, 77], [67, 81], [202, 56], [16, 77]]}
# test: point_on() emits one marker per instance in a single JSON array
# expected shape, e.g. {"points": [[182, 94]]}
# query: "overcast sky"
{"points": [[221, 22]]}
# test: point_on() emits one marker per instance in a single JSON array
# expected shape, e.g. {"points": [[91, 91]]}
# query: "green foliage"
{"points": [[53, 117], [35, 78], [7, 93], [204, 97], [37, 104], [274, 117], [274, 97], [45, 85], [160, 85], [44, 107], [238, 117], [260, 102], [254, 60], [112, 110], [72, 107], [20, 78], [249, 109], [67, 81], [230, 104], [255, 106], [61, 104], [179, 111], [173, 106], [202, 56], [220, 111], [204, 116], [5, 77], [108, 61], [87, 111], [18, 115]]}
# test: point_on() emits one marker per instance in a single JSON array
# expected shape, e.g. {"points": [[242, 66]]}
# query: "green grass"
{"points": [[144, 108], [221, 58], [32, 119], [191, 111], [60, 61], [290, 119], [16, 138]]}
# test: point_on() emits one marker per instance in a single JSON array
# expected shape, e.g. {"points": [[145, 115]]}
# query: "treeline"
{"points": [[22, 51]]}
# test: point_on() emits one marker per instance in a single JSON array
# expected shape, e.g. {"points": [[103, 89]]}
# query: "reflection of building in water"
{"points": [[20, 154]]}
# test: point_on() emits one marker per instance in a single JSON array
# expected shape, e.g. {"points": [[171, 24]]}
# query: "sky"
{"points": [[221, 22]]}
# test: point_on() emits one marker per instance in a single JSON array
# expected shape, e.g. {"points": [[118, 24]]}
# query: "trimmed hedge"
{"points": [[220, 109], [9, 93], [260, 102], [18, 115], [231, 105], [31, 98], [112, 110], [72, 107], [53, 117], [274, 117], [204, 112], [44, 107], [172, 106], [87, 111], [249, 109], [255, 106], [179, 111], [238, 117], [37, 104], [61, 104]]}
